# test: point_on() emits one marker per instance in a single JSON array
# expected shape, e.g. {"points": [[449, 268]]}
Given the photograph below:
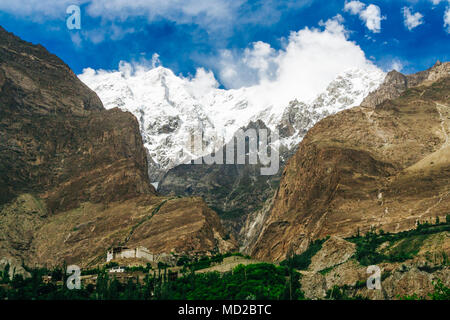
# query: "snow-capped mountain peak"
{"points": [[171, 108]]}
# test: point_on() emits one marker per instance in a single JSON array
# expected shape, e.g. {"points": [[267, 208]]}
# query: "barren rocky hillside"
{"points": [[384, 165]]}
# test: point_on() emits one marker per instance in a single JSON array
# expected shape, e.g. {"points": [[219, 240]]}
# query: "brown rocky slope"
{"points": [[73, 176], [384, 165], [334, 268]]}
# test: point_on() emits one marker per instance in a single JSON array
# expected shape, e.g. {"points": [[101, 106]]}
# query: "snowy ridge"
{"points": [[170, 108]]}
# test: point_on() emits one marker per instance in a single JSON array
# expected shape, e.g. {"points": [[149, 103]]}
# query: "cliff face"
{"points": [[233, 190], [383, 165], [60, 153], [57, 140], [334, 265]]}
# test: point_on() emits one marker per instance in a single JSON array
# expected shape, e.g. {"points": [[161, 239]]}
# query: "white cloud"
{"points": [[447, 20], [412, 21], [76, 39], [211, 12], [106, 31], [176, 10], [396, 65], [371, 15], [354, 7], [250, 66], [155, 62], [446, 14], [202, 83], [38, 10], [215, 15], [311, 59]]}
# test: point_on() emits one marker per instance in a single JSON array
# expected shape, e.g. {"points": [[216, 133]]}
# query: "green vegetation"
{"points": [[230, 214], [4, 275], [195, 264], [303, 260], [401, 246], [440, 292], [326, 270], [143, 269], [341, 293], [256, 281], [111, 264]]}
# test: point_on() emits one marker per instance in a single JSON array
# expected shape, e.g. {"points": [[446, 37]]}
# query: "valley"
{"points": [[363, 180]]}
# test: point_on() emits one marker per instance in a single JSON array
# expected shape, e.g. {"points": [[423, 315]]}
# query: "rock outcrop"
{"points": [[384, 165], [396, 83]]}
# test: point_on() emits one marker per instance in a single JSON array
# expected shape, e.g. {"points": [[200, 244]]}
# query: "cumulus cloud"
{"points": [[203, 82], [311, 58], [412, 21], [370, 15], [252, 65]]}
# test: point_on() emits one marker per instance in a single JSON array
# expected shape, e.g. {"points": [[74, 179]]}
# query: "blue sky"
{"points": [[188, 34]]}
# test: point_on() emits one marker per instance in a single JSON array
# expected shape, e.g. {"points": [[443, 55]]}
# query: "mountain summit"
{"points": [[170, 108]]}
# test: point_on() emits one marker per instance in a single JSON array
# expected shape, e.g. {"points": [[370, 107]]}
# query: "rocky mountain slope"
{"points": [[384, 165], [56, 138], [74, 176], [334, 270]]}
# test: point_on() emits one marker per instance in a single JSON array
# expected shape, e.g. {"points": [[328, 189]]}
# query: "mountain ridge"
{"points": [[353, 170], [170, 109]]}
